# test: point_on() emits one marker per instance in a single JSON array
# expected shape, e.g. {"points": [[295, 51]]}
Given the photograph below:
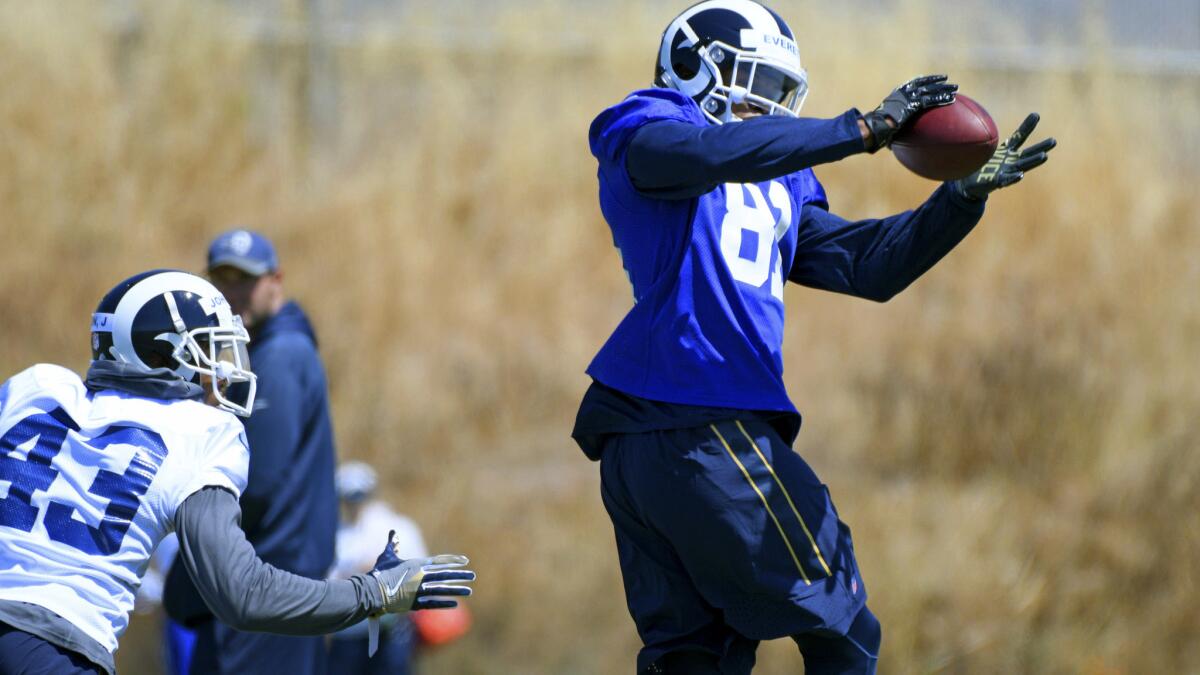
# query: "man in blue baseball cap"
{"points": [[244, 266], [290, 506]]}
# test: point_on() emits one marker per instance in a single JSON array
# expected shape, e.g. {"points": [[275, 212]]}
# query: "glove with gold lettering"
{"points": [[1008, 164]]}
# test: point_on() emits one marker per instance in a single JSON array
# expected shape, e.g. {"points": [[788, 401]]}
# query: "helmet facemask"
{"points": [[218, 354], [745, 77]]}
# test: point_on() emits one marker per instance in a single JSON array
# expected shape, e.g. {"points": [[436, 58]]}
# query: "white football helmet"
{"points": [[725, 52], [179, 319]]}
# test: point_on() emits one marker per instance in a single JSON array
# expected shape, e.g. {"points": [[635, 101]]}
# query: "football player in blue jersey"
{"points": [[725, 536], [96, 471]]}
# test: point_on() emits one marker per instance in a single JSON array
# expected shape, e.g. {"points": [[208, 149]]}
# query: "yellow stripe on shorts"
{"points": [[763, 497], [788, 497]]}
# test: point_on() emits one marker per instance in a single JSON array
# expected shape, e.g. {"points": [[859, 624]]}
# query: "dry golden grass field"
{"points": [[1013, 439]]}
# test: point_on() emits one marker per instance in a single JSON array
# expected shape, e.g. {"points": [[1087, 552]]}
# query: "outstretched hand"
{"points": [[1009, 163], [420, 583], [910, 98]]}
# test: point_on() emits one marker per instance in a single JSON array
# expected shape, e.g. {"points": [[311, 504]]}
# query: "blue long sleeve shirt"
{"points": [[710, 221]]}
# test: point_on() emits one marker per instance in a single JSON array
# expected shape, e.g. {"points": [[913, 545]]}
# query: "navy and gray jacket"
{"points": [[290, 508]]}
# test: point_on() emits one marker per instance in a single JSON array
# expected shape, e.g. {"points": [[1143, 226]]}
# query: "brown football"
{"points": [[948, 142]]}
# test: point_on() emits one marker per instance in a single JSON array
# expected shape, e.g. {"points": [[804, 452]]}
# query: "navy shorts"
{"points": [[28, 654], [726, 537]]}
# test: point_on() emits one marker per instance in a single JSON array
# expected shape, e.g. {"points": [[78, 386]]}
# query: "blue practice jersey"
{"points": [[707, 273]]}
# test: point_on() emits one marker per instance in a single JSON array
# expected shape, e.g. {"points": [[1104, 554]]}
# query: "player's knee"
{"points": [[856, 652], [685, 663], [866, 633]]}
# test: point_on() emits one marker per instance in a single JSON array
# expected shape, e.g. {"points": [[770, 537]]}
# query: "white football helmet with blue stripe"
{"points": [[168, 318], [723, 53]]}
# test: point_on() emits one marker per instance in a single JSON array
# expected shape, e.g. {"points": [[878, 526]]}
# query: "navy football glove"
{"points": [[910, 98], [420, 583], [1008, 164]]}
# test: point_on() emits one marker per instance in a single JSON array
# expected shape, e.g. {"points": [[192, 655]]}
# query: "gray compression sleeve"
{"points": [[250, 595]]}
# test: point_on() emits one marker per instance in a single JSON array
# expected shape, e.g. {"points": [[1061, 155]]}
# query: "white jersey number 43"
{"points": [[43, 436]]}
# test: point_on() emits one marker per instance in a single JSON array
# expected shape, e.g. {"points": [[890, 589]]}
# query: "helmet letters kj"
{"points": [[728, 52], [172, 319]]}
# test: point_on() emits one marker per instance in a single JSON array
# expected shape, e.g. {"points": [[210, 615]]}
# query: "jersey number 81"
{"points": [[750, 231]]}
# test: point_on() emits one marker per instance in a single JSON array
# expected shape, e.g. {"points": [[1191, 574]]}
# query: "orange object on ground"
{"points": [[441, 626]]}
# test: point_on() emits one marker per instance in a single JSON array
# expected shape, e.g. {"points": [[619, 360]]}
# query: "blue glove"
{"points": [[420, 583]]}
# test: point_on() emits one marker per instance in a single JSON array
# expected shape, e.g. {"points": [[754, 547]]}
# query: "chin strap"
{"points": [[180, 326]]}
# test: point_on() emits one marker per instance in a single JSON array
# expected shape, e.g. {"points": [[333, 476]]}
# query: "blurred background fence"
{"points": [[300, 86], [1013, 439]]}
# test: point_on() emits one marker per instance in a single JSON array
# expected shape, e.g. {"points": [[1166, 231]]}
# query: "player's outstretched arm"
{"points": [[877, 258], [669, 159], [1009, 163], [675, 160], [250, 595]]}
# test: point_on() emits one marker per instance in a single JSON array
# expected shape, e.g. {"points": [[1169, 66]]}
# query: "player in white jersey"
{"points": [[95, 472]]}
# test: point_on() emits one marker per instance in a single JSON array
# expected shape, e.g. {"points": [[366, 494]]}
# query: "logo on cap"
{"points": [[241, 242]]}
